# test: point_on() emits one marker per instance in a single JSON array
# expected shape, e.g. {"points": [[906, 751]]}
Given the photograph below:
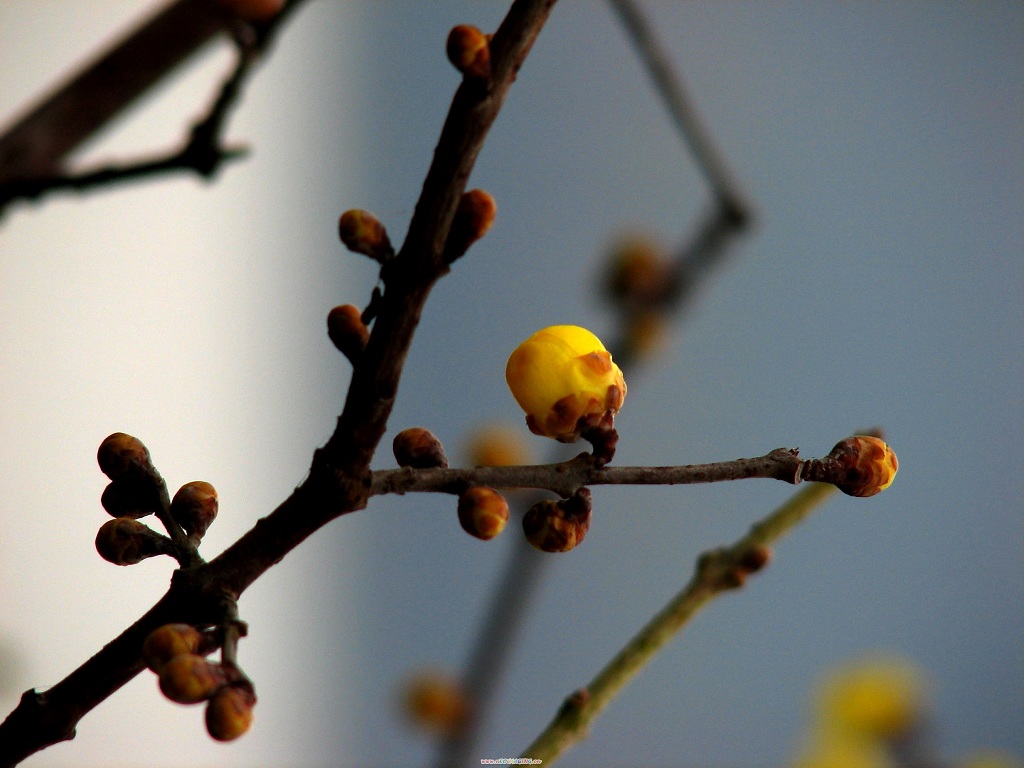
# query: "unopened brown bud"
{"points": [[190, 678], [125, 541], [640, 274], [469, 51], [164, 643], [229, 712], [754, 559], [194, 508], [418, 448], [473, 218], [362, 232], [483, 512], [866, 464], [128, 497], [120, 455], [347, 331], [558, 526]]}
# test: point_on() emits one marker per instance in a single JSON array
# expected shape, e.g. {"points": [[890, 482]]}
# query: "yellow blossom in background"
{"points": [[880, 698], [435, 702], [497, 445], [833, 749], [560, 375]]}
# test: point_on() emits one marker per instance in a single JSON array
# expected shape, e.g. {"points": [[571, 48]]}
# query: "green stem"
{"points": [[716, 572]]}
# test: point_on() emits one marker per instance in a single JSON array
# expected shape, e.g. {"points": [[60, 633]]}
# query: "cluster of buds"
{"points": [[569, 386], [558, 526], [136, 490], [469, 51], [177, 654]]}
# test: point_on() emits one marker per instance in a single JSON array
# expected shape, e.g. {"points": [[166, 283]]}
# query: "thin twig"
{"points": [[717, 571], [567, 477], [673, 92], [32, 152]]}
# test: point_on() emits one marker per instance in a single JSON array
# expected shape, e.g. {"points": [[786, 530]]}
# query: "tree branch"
{"points": [[717, 571], [567, 477], [32, 152], [339, 479], [670, 87]]}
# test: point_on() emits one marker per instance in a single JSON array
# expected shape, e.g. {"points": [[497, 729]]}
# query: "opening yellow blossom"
{"points": [[560, 375], [881, 698]]}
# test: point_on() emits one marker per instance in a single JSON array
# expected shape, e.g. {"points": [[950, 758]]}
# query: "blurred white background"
{"points": [[883, 148]]}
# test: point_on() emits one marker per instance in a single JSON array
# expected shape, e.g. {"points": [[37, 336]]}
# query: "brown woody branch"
{"points": [[567, 477], [339, 480]]}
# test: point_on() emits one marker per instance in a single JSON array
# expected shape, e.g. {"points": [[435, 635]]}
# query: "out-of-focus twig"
{"points": [[717, 571], [670, 87], [33, 151]]}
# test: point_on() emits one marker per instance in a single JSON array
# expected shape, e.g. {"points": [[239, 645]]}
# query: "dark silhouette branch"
{"points": [[339, 480], [33, 151]]}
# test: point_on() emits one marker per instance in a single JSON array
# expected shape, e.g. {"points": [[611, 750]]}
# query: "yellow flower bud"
{"points": [[832, 749], [869, 465], [880, 698], [560, 375]]}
